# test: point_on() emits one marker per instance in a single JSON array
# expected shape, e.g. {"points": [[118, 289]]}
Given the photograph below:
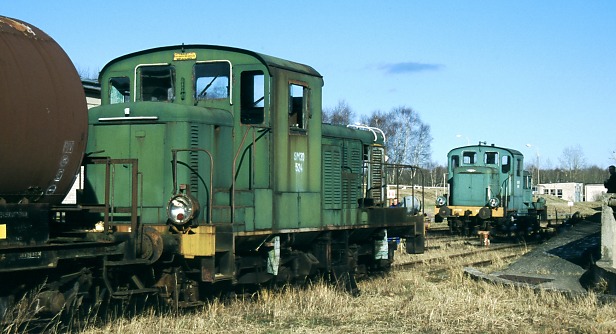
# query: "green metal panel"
{"points": [[310, 210], [299, 163], [472, 184], [287, 205], [298, 210], [167, 127], [146, 141], [98, 141], [263, 209], [262, 161], [140, 141], [252, 159]]}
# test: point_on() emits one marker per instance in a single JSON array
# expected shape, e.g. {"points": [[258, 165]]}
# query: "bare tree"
{"points": [[408, 139], [341, 114], [435, 174], [572, 161], [87, 73]]}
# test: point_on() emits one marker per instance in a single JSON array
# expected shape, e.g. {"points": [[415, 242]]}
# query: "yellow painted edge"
{"points": [[202, 243], [496, 213]]}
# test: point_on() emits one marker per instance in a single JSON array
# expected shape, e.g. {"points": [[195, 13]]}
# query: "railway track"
{"points": [[444, 252], [462, 254]]}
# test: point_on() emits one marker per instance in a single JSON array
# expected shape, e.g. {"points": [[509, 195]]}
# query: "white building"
{"points": [[594, 192], [569, 191], [93, 99]]}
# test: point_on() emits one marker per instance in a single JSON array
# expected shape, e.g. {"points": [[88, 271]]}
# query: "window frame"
{"points": [[506, 166], [229, 97], [138, 84], [495, 158], [247, 93], [305, 107], [111, 87], [471, 156]]}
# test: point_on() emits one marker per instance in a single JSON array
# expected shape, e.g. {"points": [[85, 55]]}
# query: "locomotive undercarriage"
{"points": [[72, 267], [511, 226], [76, 283]]}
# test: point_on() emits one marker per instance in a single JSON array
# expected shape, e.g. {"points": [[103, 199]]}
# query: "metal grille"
{"points": [[376, 174], [351, 174], [331, 177], [194, 160]]}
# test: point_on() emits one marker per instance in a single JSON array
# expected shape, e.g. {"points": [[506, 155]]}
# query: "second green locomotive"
{"points": [[489, 190]]}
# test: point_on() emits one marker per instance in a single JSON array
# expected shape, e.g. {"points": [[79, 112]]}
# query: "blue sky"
{"points": [[506, 72]]}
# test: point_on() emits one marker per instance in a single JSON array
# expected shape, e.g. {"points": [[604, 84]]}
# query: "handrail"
{"points": [[134, 222], [234, 173], [396, 168], [368, 128]]}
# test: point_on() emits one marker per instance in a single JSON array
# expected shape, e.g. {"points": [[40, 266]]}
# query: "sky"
{"points": [[536, 76]]}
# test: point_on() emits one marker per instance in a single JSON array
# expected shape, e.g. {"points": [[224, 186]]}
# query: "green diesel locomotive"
{"points": [[215, 164], [490, 191]]}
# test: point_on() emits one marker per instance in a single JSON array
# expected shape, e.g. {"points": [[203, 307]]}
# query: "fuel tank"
{"points": [[43, 116]]}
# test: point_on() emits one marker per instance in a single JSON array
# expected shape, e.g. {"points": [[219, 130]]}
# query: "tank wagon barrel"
{"points": [[43, 132]]}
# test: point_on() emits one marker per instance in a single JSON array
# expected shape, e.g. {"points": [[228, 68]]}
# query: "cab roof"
{"points": [[268, 61]]}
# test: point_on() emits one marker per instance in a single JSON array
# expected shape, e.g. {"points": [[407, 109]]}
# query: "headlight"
{"points": [[494, 202], [440, 201], [182, 209]]}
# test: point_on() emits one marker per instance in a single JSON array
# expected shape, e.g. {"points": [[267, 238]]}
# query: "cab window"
{"points": [[119, 90], [518, 170], [455, 161], [252, 97], [469, 158], [491, 158], [505, 164], [212, 80], [528, 182], [157, 83], [298, 105]]}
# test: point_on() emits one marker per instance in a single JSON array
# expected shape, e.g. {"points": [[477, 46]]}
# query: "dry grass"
{"points": [[433, 298], [413, 301], [402, 303], [560, 206]]}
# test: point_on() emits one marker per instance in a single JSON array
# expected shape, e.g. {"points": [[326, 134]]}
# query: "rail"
{"points": [[234, 171], [398, 168], [372, 129]]}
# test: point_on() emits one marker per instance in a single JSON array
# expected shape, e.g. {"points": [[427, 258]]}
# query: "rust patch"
{"points": [[18, 26]]}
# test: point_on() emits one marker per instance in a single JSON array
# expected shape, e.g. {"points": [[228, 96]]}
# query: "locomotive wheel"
{"points": [[444, 211], [151, 245], [485, 213]]}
